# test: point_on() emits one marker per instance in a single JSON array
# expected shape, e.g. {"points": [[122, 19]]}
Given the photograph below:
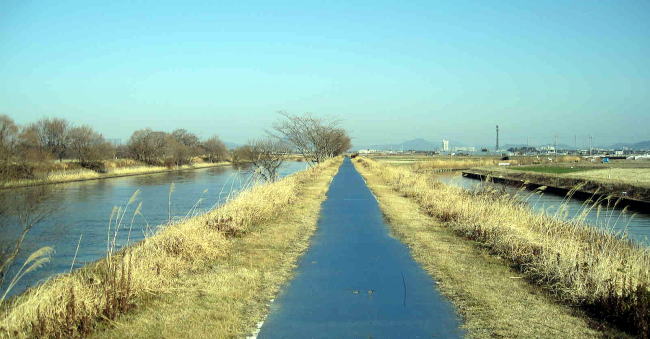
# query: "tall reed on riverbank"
{"points": [[74, 304], [583, 265]]}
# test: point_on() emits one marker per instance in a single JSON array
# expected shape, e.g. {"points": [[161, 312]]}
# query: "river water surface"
{"points": [[83, 209], [635, 224]]}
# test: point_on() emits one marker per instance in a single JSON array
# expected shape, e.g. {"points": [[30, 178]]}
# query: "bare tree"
{"points": [[86, 145], [147, 145], [29, 146], [240, 154], [316, 139], [335, 141], [214, 149], [53, 135], [8, 141], [177, 153], [186, 138], [182, 146], [267, 155]]}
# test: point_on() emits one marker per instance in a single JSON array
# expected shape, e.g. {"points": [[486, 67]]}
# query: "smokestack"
{"points": [[497, 149]]}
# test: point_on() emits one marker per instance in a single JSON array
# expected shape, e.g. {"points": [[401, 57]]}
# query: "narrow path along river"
{"points": [[356, 281], [83, 210]]}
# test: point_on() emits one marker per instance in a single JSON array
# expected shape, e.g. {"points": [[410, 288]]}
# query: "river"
{"points": [[83, 209], [635, 225]]}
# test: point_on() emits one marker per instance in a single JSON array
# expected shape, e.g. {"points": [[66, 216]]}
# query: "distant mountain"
{"points": [[643, 145], [418, 144]]}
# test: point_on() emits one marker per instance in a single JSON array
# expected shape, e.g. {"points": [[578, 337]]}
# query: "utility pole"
{"points": [[590, 145], [555, 145], [497, 148]]}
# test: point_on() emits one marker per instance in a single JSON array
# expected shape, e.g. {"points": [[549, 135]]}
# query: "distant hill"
{"points": [[643, 145]]}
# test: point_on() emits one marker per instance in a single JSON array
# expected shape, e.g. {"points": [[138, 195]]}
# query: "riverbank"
{"points": [[507, 268], [210, 275], [61, 177], [585, 184]]}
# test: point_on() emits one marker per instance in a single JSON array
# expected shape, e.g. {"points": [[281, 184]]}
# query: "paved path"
{"points": [[356, 281]]}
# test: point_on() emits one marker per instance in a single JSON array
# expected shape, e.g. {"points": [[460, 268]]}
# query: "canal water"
{"points": [[356, 281], [635, 225], [83, 209]]}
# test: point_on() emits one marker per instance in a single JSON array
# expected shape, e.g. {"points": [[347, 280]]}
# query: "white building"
{"points": [[465, 149], [445, 145]]}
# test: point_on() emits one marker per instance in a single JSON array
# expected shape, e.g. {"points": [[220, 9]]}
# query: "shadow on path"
{"points": [[356, 281]]}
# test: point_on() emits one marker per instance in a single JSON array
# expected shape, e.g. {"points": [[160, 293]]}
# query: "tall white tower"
{"points": [[445, 145]]}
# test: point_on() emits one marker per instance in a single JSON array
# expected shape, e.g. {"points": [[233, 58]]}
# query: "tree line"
{"points": [[26, 149]]}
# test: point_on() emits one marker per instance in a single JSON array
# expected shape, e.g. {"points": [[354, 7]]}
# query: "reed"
{"points": [[604, 273]]}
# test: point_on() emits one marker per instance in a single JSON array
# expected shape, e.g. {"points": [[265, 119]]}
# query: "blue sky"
{"points": [[391, 70]]}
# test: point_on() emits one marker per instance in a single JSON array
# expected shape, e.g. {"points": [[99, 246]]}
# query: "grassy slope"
{"points": [[86, 174], [209, 275], [492, 298], [634, 182], [631, 176], [639, 177], [551, 169]]}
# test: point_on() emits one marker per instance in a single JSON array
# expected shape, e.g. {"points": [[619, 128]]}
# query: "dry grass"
{"points": [[630, 176], [471, 162], [632, 183], [579, 264], [184, 259], [80, 174], [454, 163], [62, 176], [492, 299]]}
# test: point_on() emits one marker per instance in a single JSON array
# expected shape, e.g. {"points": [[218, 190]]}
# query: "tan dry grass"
{"points": [[161, 267], [63, 176], [492, 299], [581, 265], [630, 176], [471, 162]]}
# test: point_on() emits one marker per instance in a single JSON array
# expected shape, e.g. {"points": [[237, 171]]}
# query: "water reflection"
{"points": [[636, 225], [84, 208]]}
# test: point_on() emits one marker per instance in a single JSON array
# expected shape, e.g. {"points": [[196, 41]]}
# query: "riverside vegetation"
{"points": [[607, 276], [629, 183], [53, 150], [213, 273]]}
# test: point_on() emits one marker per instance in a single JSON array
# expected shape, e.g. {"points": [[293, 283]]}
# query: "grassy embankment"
{"points": [[631, 183], [624, 176], [81, 174], [421, 163], [479, 245], [209, 276]]}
